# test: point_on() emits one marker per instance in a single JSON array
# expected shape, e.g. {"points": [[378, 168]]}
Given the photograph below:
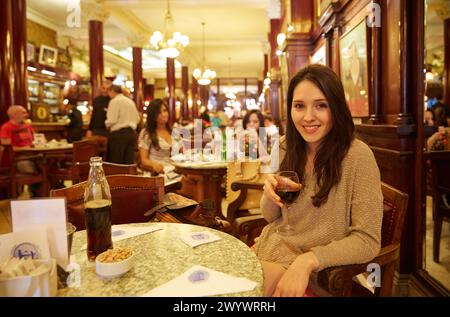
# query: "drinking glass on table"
{"points": [[288, 188]]}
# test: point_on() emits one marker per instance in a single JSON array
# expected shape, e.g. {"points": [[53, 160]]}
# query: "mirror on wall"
{"points": [[436, 12]]}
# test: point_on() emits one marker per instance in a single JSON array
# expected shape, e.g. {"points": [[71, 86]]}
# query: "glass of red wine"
{"points": [[288, 188]]}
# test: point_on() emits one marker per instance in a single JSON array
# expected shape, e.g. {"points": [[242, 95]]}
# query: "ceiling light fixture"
{"points": [[204, 75], [169, 47]]}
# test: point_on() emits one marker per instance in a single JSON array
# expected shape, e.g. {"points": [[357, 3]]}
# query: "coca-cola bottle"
{"points": [[97, 207]]}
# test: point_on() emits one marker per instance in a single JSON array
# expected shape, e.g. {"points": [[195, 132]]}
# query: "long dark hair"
{"points": [[153, 110], [334, 146], [258, 113]]}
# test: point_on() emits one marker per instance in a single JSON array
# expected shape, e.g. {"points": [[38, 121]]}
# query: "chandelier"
{"points": [[204, 75], [169, 47]]}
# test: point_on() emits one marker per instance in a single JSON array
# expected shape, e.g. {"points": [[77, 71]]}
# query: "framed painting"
{"points": [[354, 69], [48, 55], [320, 55]]}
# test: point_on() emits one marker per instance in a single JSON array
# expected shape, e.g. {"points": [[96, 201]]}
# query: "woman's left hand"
{"points": [[294, 282]]}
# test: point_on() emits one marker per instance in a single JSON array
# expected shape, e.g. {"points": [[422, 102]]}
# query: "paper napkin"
{"points": [[202, 281], [197, 238]]}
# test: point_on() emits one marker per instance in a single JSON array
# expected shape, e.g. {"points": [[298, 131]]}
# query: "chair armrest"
{"points": [[338, 280], [246, 185], [248, 228]]}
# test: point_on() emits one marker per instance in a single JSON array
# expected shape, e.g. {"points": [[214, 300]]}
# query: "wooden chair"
{"points": [[131, 197], [82, 152], [244, 184], [80, 171], [5, 182], [338, 281], [102, 142], [16, 178], [440, 169]]}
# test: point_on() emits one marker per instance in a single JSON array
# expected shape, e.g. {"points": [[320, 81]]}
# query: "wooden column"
{"points": [[274, 96], [298, 44], [19, 58], [6, 97], [96, 55], [194, 93], [275, 25], [204, 94], [447, 61], [137, 78], [404, 117], [185, 92], [375, 73], [170, 68], [266, 65]]}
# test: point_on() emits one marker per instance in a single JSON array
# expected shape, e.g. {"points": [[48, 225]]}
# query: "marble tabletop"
{"points": [[161, 256]]}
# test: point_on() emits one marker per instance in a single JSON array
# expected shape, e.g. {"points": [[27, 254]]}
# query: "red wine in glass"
{"points": [[288, 189], [287, 195]]}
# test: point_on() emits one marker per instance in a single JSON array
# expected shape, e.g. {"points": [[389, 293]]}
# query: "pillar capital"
{"points": [[95, 11], [137, 40]]}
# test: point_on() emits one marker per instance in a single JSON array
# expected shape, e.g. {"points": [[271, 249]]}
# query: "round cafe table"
{"points": [[161, 256]]}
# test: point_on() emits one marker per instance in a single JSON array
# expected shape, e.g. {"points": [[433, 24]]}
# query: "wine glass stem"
{"points": [[285, 212]]}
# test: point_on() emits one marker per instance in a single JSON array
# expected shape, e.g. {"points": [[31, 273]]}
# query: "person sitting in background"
{"points": [[252, 121], [429, 118], [440, 115], [155, 139], [155, 143], [19, 133], [75, 127], [337, 216]]}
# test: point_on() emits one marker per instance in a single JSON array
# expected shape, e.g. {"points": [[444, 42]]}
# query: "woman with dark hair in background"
{"points": [[337, 216], [155, 139]]}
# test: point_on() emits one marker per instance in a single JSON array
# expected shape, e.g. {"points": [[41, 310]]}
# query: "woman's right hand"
{"points": [[269, 190], [158, 167]]}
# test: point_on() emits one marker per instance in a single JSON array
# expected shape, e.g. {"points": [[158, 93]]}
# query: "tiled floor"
{"points": [[440, 271]]}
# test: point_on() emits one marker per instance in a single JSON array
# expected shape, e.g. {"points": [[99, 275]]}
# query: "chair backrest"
{"points": [[83, 150], [102, 142], [440, 171], [131, 197], [80, 171], [395, 203]]}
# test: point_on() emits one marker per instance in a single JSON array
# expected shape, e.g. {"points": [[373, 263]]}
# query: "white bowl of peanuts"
{"points": [[114, 262]]}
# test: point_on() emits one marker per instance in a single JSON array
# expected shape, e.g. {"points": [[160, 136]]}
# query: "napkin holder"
{"points": [[41, 285]]}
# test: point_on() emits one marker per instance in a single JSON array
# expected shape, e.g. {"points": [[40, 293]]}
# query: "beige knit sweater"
{"points": [[344, 230]]}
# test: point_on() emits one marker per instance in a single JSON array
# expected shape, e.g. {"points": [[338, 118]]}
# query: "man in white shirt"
{"points": [[122, 120]]}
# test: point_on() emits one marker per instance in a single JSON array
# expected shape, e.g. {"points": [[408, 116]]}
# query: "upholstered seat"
{"points": [[131, 197]]}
